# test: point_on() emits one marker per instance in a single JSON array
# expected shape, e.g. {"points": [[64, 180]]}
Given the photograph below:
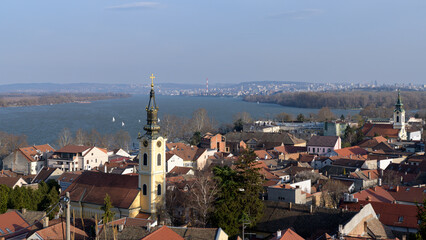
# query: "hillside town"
{"points": [[264, 179]]}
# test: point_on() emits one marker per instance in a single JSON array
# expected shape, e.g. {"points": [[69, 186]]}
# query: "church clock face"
{"points": [[159, 144], [145, 143]]}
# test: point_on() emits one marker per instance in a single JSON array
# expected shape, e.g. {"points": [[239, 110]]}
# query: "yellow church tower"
{"points": [[152, 160]]}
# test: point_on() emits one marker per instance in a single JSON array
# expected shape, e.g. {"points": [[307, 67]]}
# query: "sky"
{"points": [[226, 41]]}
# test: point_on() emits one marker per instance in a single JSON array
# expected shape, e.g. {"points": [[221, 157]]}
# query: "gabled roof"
{"points": [[287, 234], [44, 174], [323, 141], [352, 163], [163, 233], [407, 194], [351, 151], [186, 152], [386, 130], [92, 187], [285, 138], [11, 223], [69, 176], [263, 154], [56, 232], [374, 174], [190, 233], [375, 194], [370, 143], [388, 213], [9, 181], [180, 170], [72, 149], [31, 152]]}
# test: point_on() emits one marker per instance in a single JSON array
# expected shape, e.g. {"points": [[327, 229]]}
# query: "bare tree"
{"points": [[244, 116], [200, 121], [80, 137], [325, 114], [10, 142], [203, 195], [122, 140], [332, 192], [391, 178], [65, 138], [284, 117]]}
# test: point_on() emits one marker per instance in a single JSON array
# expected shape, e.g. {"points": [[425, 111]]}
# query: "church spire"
{"points": [[398, 105], [152, 128]]}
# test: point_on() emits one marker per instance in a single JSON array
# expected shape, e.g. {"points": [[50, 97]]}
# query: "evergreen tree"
{"points": [[238, 125], [300, 117], [421, 216], [4, 198], [196, 138], [239, 194], [108, 214]]}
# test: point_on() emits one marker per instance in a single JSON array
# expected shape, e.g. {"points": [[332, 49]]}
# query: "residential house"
{"points": [[56, 231], [76, 158], [47, 173], [369, 144], [12, 182], [214, 141], [323, 145], [28, 160], [192, 156], [172, 161], [287, 193], [349, 152], [181, 171], [365, 178], [13, 226], [397, 217], [287, 234]]}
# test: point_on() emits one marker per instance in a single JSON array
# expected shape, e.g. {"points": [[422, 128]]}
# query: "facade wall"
{"points": [[174, 161], [286, 195], [94, 158], [17, 162]]}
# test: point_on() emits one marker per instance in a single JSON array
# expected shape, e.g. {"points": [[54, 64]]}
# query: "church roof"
{"points": [[92, 187], [386, 130]]}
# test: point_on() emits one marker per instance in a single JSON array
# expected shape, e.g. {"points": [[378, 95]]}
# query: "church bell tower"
{"points": [[152, 160], [399, 118]]}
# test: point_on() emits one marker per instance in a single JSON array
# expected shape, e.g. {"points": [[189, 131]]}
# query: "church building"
{"points": [[392, 131], [131, 196]]}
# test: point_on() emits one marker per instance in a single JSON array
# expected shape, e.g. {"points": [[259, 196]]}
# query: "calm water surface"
{"points": [[42, 124]]}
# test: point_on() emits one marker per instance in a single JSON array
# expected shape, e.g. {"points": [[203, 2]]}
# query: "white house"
{"points": [[321, 145], [76, 158]]}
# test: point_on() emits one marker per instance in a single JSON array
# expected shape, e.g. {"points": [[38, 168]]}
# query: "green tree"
{"points": [[238, 125], [239, 194], [4, 198], [49, 200], [421, 216], [342, 117], [108, 214], [300, 117], [196, 138]]}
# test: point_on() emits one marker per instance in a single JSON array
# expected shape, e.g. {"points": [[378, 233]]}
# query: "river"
{"points": [[42, 124]]}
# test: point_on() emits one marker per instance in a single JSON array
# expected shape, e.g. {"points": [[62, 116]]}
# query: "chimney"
{"points": [[24, 210], [311, 209], [369, 175], [46, 222], [404, 237], [380, 182], [105, 169], [397, 188], [289, 206], [278, 234]]}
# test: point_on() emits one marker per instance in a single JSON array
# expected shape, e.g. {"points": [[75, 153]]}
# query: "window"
{"points": [[144, 189], [397, 119], [159, 189], [218, 145], [87, 161], [145, 159], [400, 219], [159, 159], [313, 149]]}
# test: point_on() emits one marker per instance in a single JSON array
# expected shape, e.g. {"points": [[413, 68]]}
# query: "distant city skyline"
{"points": [[120, 41]]}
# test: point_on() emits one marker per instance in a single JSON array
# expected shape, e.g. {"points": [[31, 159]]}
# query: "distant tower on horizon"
{"points": [[207, 86], [399, 118]]}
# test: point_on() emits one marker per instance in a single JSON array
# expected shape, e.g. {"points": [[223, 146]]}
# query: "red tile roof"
{"points": [[351, 151], [9, 181], [287, 234], [180, 170], [56, 231], [30, 152], [186, 152], [91, 187], [11, 223], [407, 194], [375, 194], [386, 130], [163, 233], [374, 174], [388, 213], [263, 154], [73, 149], [323, 141]]}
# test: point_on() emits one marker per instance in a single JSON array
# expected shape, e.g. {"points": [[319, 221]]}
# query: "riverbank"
{"points": [[31, 99]]}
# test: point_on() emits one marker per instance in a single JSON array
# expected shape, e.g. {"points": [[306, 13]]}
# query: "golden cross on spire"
{"points": [[152, 80]]}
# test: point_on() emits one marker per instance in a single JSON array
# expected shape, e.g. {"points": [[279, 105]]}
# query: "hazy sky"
{"points": [[120, 41]]}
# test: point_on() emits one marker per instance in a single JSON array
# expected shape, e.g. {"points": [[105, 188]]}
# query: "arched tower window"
{"points": [[159, 189], [397, 119], [159, 159], [145, 159], [144, 189]]}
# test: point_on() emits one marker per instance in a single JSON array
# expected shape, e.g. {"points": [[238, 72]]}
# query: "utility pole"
{"points": [[68, 216]]}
